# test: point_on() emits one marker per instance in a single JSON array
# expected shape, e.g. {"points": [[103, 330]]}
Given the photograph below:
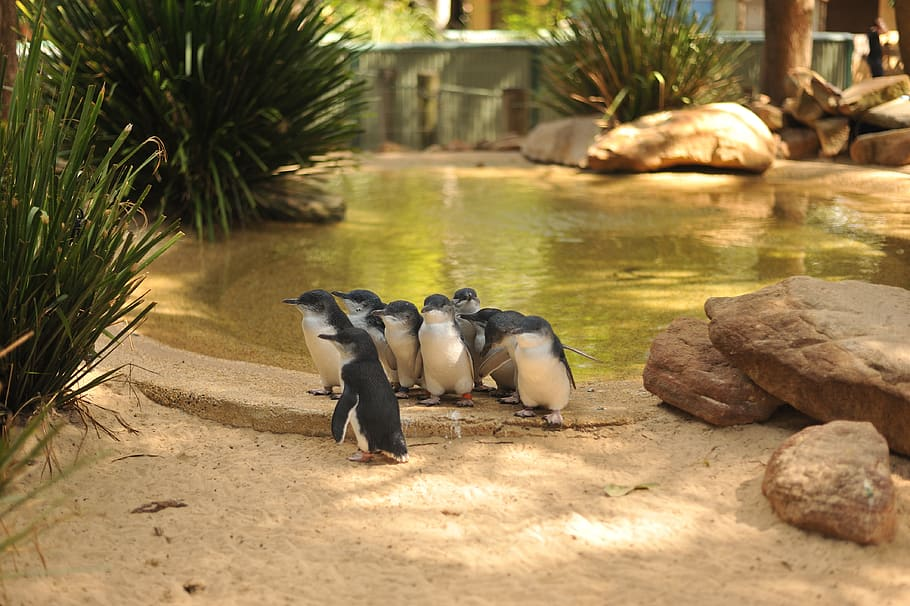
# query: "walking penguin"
{"points": [[367, 402]]}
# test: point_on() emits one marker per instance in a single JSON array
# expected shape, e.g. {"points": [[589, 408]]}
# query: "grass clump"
{"points": [[235, 90], [74, 242], [628, 58]]}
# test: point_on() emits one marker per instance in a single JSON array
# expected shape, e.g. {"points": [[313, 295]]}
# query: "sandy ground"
{"points": [[495, 519], [286, 519]]}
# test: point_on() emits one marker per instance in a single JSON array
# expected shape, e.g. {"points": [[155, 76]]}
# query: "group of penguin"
{"points": [[377, 353]]}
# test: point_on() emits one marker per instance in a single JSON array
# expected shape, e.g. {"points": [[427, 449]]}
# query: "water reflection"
{"points": [[609, 261]]}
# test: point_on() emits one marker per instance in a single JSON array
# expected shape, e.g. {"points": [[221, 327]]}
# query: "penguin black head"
{"points": [[482, 315], [317, 300], [359, 300], [499, 326], [353, 343], [401, 311], [437, 302], [466, 300]]}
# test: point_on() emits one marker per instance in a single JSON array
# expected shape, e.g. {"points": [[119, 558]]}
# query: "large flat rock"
{"points": [[834, 350]]}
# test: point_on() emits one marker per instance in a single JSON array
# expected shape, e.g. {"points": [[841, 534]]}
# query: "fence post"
{"points": [[428, 108], [386, 84], [515, 110]]}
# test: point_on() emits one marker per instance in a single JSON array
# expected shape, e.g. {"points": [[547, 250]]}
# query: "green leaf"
{"points": [[620, 490]]}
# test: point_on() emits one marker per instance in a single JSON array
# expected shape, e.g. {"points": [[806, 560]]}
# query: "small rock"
{"points": [[798, 144], [833, 135], [834, 479], [893, 114], [686, 371], [563, 141], [888, 148], [771, 115]]}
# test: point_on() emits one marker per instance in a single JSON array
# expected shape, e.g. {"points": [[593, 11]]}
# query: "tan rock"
{"points": [[563, 141], [686, 371], [833, 135], [771, 115], [889, 148], [834, 479], [798, 144], [718, 135], [874, 91], [834, 350]]}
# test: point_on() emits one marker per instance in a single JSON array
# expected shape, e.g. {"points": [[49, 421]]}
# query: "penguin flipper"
{"points": [[343, 408], [495, 358], [581, 353]]}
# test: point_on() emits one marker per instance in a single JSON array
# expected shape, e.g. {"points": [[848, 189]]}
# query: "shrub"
{"points": [[388, 20], [235, 90], [73, 243], [628, 58]]}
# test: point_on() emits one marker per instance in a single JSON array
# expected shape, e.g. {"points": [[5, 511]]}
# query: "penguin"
{"points": [[498, 354], [321, 315], [544, 376], [402, 321], [467, 302], [360, 304], [447, 363], [367, 401]]}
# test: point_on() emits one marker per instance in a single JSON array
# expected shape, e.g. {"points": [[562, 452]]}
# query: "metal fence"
{"points": [[469, 92]]}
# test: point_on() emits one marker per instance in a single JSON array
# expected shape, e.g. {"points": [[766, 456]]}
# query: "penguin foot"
{"points": [[554, 419], [431, 401], [361, 457], [402, 394], [479, 386], [525, 412], [325, 391], [466, 401], [511, 399]]}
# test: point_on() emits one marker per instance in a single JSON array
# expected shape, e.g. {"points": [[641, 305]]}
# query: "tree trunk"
{"points": [[9, 36], [788, 44], [902, 18]]}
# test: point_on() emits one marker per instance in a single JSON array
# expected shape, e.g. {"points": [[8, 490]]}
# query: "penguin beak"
{"points": [[329, 337], [338, 293], [378, 313], [290, 301]]}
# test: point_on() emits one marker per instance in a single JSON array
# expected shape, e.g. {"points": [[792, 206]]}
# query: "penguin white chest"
{"points": [[362, 442], [542, 378], [446, 361], [325, 355]]}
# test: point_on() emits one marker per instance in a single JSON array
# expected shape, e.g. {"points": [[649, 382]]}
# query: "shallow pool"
{"points": [[610, 261]]}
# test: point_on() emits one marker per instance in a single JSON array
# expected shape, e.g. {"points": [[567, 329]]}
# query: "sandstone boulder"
{"points": [[893, 114], [833, 135], [888, 148], [798, 144], [717, 135], [874, 91], [834, 350], [686, 371], [563, 141], [834, 479]]}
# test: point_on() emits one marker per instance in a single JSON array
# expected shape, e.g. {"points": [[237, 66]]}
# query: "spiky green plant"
{"points": [[235, 90], [628, 58], [74, 242]]}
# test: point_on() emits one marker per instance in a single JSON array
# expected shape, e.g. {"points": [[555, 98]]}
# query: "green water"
{"points": [[609, 261]]}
